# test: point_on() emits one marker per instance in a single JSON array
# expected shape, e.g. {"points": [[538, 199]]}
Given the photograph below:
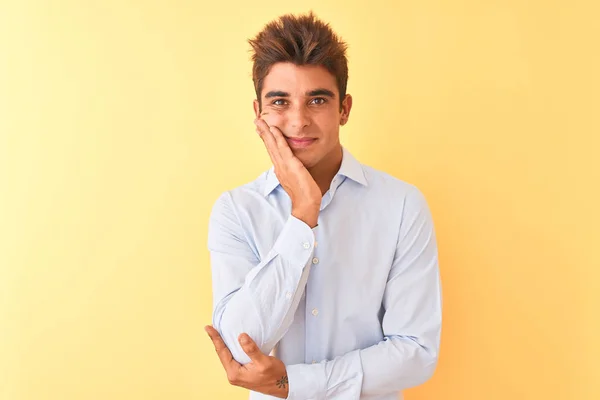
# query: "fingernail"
{"points": [[244, 339]]}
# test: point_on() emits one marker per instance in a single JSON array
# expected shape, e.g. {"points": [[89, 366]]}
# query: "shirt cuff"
{"points": [[296, 242], [307, 381]]}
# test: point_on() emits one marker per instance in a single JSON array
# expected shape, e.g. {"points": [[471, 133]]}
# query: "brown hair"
{"points": [[302, 40]]}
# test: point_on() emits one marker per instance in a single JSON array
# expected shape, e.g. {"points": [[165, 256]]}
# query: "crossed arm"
{"points": [[254, 302]]}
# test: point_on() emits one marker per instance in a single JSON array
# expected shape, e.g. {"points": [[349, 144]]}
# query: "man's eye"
{"points": [[279, 102], [318, 100]]}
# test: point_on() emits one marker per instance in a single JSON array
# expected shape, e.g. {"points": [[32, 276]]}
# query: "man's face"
{"points": [[303, 102]]}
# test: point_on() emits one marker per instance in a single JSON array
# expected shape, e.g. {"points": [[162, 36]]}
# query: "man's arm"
{"points": [[260, 297], [251, 296], [408, 354], [264, 374]]}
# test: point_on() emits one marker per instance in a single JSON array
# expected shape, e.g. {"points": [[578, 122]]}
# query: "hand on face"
{"points": [[291, 173]]}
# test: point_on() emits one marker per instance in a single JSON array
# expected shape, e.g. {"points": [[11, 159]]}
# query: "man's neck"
{"points": [[324, 172]]}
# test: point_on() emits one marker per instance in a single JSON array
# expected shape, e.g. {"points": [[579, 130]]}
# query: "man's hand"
{"points": [[264, 374], [292, 174]]}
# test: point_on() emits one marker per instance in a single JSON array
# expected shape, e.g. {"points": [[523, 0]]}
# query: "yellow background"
{"points": [[122, 121]]}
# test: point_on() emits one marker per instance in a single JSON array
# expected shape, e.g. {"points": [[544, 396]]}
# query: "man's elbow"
{"points": [[426, 369], [230, 329], [231, 326]]}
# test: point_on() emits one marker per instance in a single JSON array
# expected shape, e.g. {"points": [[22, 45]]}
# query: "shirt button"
{"points": [[315, 312], [288, 295], [315, 260], [306, 245]]}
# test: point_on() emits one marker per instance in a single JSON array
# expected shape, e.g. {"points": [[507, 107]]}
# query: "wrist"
{"points": [[308, 215], [282, 385]]}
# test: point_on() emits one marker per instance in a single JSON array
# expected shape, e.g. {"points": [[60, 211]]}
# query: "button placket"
{"points": [[311, 312]]}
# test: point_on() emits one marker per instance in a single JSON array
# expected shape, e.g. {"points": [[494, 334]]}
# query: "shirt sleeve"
{"points": [[252, 295], [407, 356]]}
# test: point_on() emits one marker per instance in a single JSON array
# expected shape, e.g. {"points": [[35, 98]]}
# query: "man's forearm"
{"points": [[387, 367], [264, 306]]}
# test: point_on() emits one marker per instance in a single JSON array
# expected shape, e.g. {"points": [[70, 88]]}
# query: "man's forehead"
{"points": [[298, 80]]}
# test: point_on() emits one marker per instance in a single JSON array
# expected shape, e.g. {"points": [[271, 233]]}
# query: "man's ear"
{"points": [[346, 107], [256, 108]]}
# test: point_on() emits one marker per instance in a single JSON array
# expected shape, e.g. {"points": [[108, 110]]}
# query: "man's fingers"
{"points": [[267, 136], [222, 351], [250, 348], [284, 148]]}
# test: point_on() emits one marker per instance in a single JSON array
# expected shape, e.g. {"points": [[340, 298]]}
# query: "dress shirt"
{"points": [[353, 306]]}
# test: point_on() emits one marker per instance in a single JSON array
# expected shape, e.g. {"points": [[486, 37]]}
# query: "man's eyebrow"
{"points": [[276, 93], [315, 92], [321, 92]]}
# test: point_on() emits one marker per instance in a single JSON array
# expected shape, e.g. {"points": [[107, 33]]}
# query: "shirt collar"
{"points": [[349, 168]]}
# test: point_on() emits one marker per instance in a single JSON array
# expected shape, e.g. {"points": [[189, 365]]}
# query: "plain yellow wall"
{"points": [[122, 121]]}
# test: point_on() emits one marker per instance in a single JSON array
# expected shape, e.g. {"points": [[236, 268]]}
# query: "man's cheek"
{"points": [[275, 119]]}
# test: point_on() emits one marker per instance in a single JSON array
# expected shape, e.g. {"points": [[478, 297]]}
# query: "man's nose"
{"points": [[298, 117]]}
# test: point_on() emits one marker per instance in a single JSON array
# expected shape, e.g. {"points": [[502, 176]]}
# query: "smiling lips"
{"points": [[300, 143]]}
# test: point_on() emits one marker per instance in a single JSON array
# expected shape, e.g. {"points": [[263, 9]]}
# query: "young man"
{"points": [[328, 265]]}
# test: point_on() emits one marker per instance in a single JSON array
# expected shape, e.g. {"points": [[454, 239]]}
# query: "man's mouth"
{"points": [[300, 143]]}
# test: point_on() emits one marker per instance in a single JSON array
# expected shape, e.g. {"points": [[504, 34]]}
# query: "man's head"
{"points": [[300, 74]]}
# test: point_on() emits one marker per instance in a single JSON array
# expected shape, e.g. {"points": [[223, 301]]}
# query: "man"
{"points": [[328, 265]]}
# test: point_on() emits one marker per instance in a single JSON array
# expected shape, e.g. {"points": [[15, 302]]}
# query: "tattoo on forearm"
{"points": [[281, 383]]}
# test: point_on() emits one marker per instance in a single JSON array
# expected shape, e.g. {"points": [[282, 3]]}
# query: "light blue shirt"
{"points": [[353, 306]]}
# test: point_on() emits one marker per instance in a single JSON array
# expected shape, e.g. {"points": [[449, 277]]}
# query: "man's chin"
{"points": [[306, 159]]}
